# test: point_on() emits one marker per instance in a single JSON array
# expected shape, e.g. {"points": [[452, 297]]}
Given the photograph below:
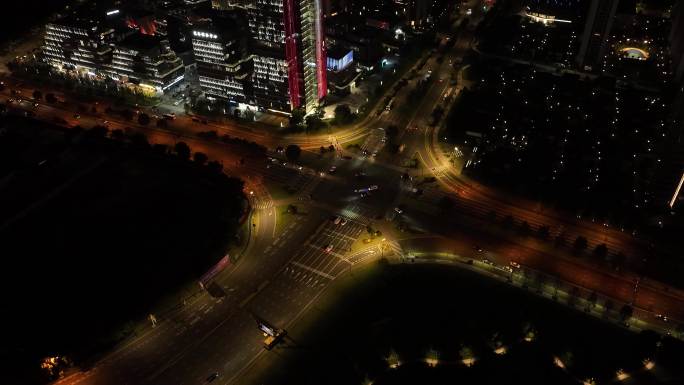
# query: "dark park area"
{"points": [[435, 324], [94, 231]]}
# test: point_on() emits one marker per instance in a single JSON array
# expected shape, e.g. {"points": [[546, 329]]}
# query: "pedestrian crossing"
{"points": [[322, 258], [359, 212]]}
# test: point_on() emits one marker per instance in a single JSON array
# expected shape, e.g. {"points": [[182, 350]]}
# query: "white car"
{"points": [[373, 187], [337, 220], [398, 210], [328, 248]]}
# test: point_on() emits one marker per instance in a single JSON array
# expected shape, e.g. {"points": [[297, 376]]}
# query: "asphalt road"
{"points": [[281, 274]]}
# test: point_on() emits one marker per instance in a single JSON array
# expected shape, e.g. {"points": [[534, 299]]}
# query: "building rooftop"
{"points": [[140, 42], [93, 16], [337, 51]]}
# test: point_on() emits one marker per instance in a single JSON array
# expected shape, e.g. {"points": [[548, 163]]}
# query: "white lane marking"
{"points": [[322, 274]]}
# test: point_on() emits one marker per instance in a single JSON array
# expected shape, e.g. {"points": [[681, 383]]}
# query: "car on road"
{"points": [[515, 264], [343, 222], [328, 248], [212, 377], [398, 210], [478, 248], [332, 170], [337, 220], [373, 187]]}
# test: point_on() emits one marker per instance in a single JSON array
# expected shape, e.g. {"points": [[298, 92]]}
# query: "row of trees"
{"points": [[139, 141], [579, 245], [299, 121]]}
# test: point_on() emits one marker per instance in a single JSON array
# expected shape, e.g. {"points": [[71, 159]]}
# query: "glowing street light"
{"points": [[558, 362], [648, 364], [621, 375], [432, 358], [393, 360], [676, 193]]}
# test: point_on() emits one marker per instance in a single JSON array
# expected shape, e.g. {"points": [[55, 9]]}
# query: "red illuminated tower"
{"points": [[289, 54]]}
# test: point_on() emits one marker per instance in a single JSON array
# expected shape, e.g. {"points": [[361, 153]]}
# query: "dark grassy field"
{"points": [[20, 16], [94, 232], [428, 311]]}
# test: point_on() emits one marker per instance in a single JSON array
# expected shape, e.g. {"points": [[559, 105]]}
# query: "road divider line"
{"points": [[311, 269], [254, 294]]}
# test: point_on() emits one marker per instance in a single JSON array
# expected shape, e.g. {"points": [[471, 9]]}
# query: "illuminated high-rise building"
{"points": [[289, 54], [108, 44], [224, 66], [75, 42]]}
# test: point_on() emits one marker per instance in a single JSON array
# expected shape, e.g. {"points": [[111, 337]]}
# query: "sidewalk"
{"points": [[550, 287]]}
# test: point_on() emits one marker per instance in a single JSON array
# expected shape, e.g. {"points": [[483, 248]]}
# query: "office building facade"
{"points": [[110, 47], [147, 61], [73, 43], [223, 65], [289, 54]]}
